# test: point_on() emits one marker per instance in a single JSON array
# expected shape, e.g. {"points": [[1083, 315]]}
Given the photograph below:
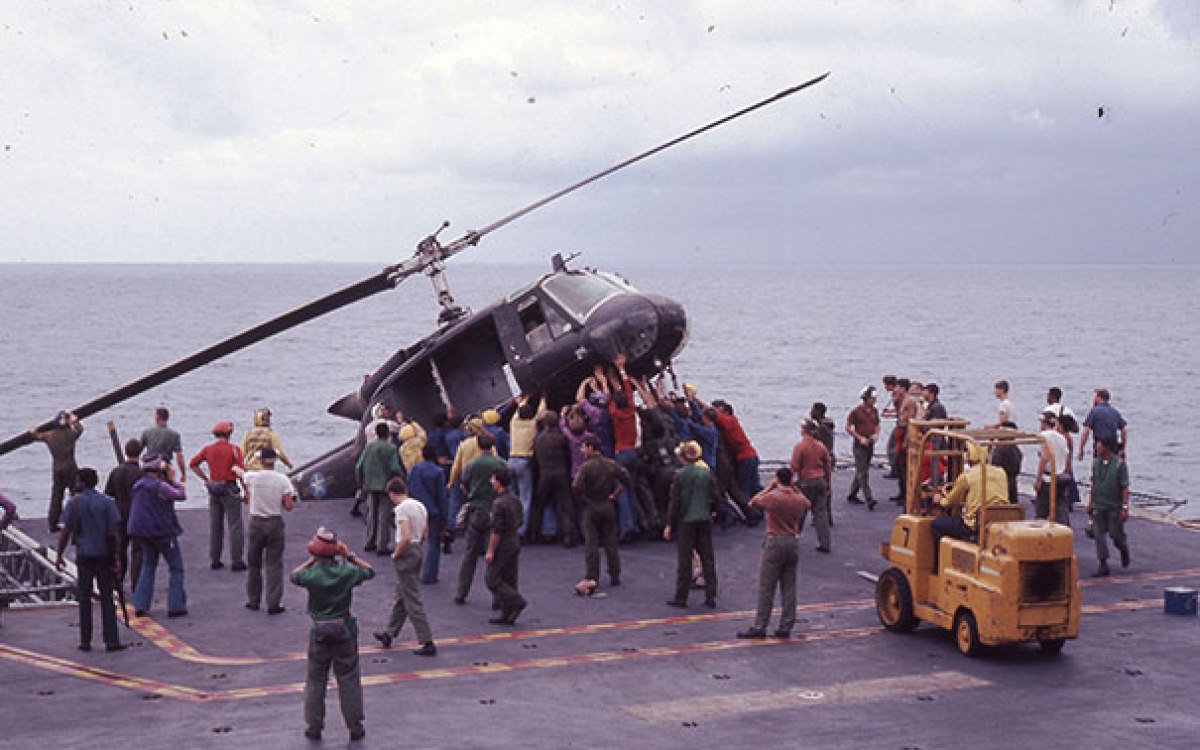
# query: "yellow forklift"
{"points": [[1016, 581]]}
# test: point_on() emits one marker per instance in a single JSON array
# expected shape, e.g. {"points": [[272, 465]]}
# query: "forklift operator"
{"points": [[967, 492]]}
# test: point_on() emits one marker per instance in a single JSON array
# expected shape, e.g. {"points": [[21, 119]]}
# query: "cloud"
{"points": [[243, 130]]}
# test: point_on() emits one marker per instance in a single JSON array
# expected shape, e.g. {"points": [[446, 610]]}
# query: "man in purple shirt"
{"points": [[154, 526]]}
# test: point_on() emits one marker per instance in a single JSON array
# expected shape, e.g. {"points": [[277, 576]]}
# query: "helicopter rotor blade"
{"points": [[473, 237], [382, 281], [428, 255]]}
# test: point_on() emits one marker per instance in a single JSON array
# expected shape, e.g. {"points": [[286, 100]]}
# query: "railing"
{"points": [[27, 574]]}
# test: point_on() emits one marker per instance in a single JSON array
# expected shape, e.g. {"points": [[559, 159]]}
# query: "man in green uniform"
{"points": [[333, 639], [504, 549], [60, 439], [597, 486], [1108, 502], [477, 486], [379, 462], [693, 501]]}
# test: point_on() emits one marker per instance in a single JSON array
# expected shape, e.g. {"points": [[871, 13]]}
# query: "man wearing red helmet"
{"points": [[224, 495], [333, 638]]}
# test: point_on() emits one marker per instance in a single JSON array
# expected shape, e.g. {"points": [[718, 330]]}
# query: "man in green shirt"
{"points": [[476, 482], [1108, 502], [597, 486], [693, 501], [378, 463], [504, 549], [333, 639], [60, 439]]}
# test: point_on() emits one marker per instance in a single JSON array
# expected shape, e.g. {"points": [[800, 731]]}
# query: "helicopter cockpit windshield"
{"points": [[580, 293]]}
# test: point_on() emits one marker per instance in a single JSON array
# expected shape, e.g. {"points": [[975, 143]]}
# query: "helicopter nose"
{"points": [[672, 327], [638, 326]]}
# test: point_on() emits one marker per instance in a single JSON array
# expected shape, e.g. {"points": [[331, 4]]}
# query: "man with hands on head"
{"points": [[333, 638]]}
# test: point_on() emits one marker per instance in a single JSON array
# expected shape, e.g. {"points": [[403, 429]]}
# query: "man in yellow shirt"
{"points": [[979, 485], [262, 436]]}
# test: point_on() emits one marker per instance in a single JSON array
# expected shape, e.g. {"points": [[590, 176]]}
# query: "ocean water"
{"points": [[769, 339]]}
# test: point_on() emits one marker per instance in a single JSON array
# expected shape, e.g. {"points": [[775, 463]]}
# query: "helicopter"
{"points": [[541, 339]]}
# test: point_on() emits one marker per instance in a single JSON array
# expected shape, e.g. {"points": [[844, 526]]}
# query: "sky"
{"points": [[988, 131]]}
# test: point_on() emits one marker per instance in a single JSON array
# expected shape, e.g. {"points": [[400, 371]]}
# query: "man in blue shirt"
{"points": [[427, 483], [1104, 422], [91, 518]]}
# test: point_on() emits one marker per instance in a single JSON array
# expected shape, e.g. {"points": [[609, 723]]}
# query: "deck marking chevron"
{"points": [[855, 691], [154, 632], [169, 642]]}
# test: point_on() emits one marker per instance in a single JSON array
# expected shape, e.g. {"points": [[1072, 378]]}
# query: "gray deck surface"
{"points": [[621, 670]]}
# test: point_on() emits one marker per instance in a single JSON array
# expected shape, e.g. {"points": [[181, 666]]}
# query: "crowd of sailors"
{"points": [[629, 460]]}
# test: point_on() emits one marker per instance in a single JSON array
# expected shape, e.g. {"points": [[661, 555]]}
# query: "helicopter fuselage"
{"points": [[542, 339]]}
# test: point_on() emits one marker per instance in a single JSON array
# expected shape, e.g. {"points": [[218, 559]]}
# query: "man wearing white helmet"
{"points": [[863, 426]]}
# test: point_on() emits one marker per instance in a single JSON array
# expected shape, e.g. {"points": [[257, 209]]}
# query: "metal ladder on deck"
{"points": [[27, 575]]}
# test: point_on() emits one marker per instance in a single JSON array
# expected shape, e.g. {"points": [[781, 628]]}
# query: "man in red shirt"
{"points": [[623, 414], [863, 426], [744, 456], [224, 495], [906, 411], [813, 467]]}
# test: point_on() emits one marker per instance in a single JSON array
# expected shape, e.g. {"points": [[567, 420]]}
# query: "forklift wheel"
{"points": [[966, 633], [894, 603], [1052, 646]]}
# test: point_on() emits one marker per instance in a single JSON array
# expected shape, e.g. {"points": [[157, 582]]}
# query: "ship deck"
{"points": [[621, 669]]}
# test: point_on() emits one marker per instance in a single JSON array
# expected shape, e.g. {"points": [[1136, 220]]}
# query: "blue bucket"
{"points": [[1179, 601]]}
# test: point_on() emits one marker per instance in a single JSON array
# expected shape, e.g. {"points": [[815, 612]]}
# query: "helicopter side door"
{"points": [[514, 343], [545, 346], [472, 368]]}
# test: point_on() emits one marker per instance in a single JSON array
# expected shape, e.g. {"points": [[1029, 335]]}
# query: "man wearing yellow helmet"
{"points": [[979, 485], [261, 437], [412, 440]]}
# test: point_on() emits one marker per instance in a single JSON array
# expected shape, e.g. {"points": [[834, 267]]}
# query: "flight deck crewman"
{"points": [[967, 493], [333, 639]]}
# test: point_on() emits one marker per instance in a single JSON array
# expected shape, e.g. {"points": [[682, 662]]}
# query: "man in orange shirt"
{"points": [[813, 467], [863, 425], [906, 410], [784, 506]]}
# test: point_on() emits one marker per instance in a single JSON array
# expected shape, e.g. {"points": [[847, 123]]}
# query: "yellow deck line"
{"points": [[185, 693]]}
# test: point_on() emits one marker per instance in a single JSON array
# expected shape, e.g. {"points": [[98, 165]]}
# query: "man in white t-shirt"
{"points": [[1004, 409], [268, 493], [1046, 474], [408, 555], [1055, 406]]}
